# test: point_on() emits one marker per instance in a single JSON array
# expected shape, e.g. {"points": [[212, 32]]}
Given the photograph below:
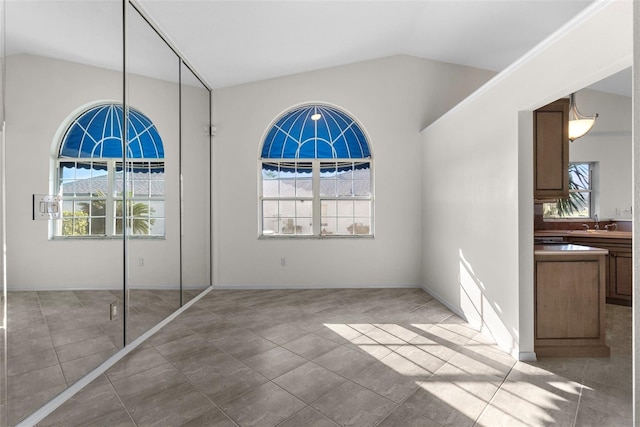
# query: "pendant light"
{"points": [[579, 124]]}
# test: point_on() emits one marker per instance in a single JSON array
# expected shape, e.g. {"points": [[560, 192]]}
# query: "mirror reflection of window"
{"points": [[90, 175]]}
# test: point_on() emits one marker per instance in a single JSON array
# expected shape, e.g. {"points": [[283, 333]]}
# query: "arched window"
{"points": [[316, 170], [90, 174]]}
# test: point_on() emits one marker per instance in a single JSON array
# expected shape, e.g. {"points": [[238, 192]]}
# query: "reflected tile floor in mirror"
{"points": [[359, 357], [56, 337]]}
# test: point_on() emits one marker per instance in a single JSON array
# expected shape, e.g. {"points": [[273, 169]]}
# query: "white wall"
{"points": [[477, 193], [41, 95], [393, 98], [609, 144]]}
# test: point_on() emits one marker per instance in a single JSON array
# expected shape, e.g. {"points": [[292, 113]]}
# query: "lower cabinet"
{"points": [[570, 302], [620, 277], [619, 267]]}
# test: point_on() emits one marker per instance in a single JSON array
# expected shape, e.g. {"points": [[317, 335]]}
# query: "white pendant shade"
{"points": [[579, 124], [579, 127]]}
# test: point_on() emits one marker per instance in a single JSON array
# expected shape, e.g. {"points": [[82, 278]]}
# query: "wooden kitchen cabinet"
{"points": [[551, 151], [619, 266], [569, 301], [620, 277]]}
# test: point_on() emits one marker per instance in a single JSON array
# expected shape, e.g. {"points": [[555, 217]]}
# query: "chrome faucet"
{"points": [[585, 227], [595, 218]]}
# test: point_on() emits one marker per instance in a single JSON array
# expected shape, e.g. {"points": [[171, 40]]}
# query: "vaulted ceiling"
{"points": [[236, 42]]}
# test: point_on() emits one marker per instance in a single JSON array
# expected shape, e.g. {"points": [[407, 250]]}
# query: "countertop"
{"points": [[585, 233], [567, 249]]}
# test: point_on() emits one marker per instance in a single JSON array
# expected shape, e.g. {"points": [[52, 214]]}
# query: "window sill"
{"points": [[63, 238], [314, 237]]}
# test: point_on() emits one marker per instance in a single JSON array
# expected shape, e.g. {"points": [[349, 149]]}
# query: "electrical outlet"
{"points": [[140, 261], [113, 310], [283, 262]]}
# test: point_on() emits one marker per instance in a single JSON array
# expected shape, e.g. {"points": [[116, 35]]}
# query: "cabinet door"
{"points": [[621, 274], [551, 151]]}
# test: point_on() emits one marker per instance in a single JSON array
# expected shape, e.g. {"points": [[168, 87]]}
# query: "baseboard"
{"points": [[527, 356], [48, 288], [444, 302], [312, 286]]}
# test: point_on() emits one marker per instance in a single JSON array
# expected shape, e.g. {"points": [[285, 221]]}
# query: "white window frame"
{"points": [[591, 191], [316, 198], [110, 198]]}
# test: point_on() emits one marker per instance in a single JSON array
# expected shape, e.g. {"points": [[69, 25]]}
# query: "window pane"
{"points": [[98, 226], [344, 187], [328, 188], [343, 225], [304, 208], [287, 187], [362, 226], [156, 186], [579, 203], [361, 187], [304, 226], [328, 208], [362, 208], [345, 208], [329, 225], [156, 209], [269, 217], [287, 208], [140, 187], [304, 185], [579, 176], [98, 208], [328, 174], [157, 227], [288, 225], [270, 188]]}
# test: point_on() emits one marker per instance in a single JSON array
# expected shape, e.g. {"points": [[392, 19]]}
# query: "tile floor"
{"points": [[359, 357], [56, 337]]}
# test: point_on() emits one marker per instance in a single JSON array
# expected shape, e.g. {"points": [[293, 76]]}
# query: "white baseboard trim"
{"points": [[70, 391], [444, 302], [527, 356], [48, 288], [302, 287]]}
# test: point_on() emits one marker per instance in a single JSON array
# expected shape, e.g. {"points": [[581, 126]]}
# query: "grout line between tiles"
{"points": [[475, 422]]}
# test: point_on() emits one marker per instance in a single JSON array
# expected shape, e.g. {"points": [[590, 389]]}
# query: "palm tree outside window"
{"points": [[580, 203]]}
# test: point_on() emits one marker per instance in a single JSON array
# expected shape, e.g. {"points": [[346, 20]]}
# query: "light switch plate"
{"points": [[46, 206]]}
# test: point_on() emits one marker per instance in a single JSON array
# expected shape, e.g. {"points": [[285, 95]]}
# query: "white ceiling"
{"points": [[235, 42]]}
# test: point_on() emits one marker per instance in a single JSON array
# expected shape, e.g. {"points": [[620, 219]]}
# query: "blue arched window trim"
{"points": [[97, 134], [315, 132]]}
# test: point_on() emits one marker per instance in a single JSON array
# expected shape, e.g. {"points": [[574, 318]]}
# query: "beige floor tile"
{"points": [[453, 397], [530, 404], [143, 358], [265, 406], [309, 382], [404, 417], [353, 405], [590, 417], [310, 346], [345, 361], [98, 404], [275, 362], [394, 378], [308, 417], [607, 399], [280, 334], [229, 385]]}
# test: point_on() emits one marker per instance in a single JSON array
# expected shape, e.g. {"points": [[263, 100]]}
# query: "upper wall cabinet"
{"points": [[551, 151]]}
